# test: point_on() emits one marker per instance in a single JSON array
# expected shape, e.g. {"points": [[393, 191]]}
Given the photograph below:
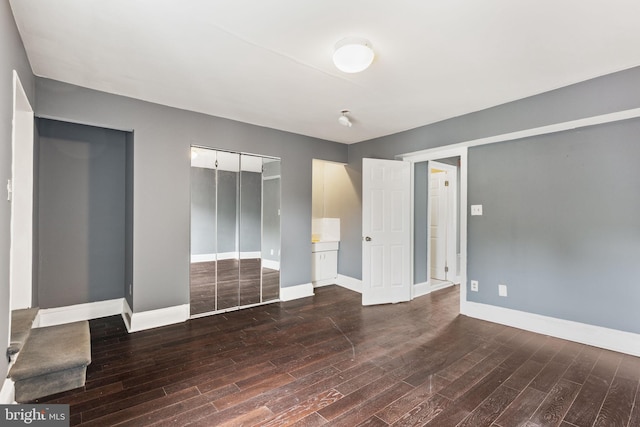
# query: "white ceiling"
{"points": [[269, 62]]}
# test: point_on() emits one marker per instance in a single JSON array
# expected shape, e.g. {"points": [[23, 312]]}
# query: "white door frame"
{"points": [[452, 172], [21, 250], [435, 154]]}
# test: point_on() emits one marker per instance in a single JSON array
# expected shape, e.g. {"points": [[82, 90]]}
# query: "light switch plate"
{"points": [[476, 209], [502, 290]]}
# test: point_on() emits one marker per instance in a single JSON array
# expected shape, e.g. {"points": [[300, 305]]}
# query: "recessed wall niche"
{"points": [[84, 232]]}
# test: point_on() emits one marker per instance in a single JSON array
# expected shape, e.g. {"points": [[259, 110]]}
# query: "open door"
{"points": [[442, 221], [386, 228]]}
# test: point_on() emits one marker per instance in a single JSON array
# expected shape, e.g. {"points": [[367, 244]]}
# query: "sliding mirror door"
{"points": [[270, 230], [250, 229], [204, 248], [235, 230], [228, 271]]}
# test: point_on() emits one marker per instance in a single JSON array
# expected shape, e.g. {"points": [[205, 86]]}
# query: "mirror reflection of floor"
{"points": [[238, 284]]}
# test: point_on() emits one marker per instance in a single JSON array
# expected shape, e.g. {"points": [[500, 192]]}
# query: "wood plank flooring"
{"points": [[327, 360], [231, 283]]}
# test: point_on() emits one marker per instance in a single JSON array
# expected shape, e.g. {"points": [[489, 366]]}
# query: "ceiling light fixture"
{"points": [[353, 54], [344, 120]]}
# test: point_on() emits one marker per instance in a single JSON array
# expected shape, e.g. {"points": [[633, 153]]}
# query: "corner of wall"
{"points": [[291, 293]]}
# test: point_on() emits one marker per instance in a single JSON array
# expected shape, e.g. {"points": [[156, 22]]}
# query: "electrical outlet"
{"points": [[476, 210], [502, 290], [474, 285]]}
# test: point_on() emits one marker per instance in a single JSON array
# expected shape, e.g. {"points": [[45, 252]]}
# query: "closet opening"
{"points": [[235, 230]]}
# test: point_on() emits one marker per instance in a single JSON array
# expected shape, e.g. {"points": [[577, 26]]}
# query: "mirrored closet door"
{"points": [[235, 230]]}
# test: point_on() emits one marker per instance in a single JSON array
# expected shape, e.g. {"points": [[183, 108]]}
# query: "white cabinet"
{"points": [[324, 263]]}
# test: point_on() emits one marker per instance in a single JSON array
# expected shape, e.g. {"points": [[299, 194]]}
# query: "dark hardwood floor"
{"points": [[233, 282], [327, 360]]}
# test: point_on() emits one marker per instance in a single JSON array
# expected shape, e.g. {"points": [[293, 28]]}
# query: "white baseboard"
{"points": [[349, 283], [161, 317], [225, 255], [78, 312], [610, 339], [325, 282], [273, 265], [203, 257], [420, 289], [126, 314], [295, 292], [7, 393]]}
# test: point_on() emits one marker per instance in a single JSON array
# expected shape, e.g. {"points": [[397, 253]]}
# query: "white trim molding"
{"points": [[203, 257], [160, 317], [127, 312], [610, 339], [420, 289], [295, 292], [445, 151], [8, 392], [542, 130], [78, 312], [349, 283], [273, 265], [225, 255]]}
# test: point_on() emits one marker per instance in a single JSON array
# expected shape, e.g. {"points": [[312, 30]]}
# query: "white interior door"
{"points": [[443, 237], [386, 229], [438, 227]]}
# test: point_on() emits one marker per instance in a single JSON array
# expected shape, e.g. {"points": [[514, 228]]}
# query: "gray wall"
{"points": [[12, 57], [81, 223], [611, 93], [163, 137], [420, 215], [560, 225]]}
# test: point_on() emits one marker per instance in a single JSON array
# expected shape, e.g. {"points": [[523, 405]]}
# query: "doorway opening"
{"points": [[443, 220], [456, 158]]}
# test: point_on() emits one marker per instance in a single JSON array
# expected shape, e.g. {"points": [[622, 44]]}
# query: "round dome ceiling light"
{"points": [[353, 54]]}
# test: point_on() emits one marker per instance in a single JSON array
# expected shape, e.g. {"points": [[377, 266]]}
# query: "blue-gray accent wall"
{"points": [[584, 268], [560, 224]]}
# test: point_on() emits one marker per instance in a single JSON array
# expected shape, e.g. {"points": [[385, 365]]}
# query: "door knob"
{"points": [[367, 239]]}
